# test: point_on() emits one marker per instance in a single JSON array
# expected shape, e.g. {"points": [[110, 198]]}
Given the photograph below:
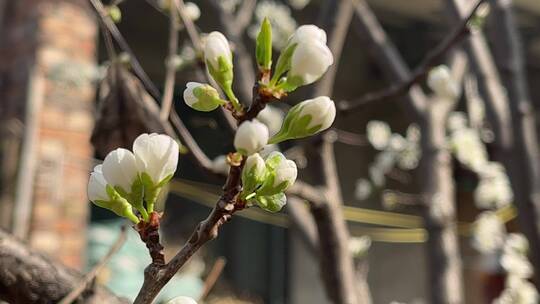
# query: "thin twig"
{"points": [[90, 276], [212, 277], [168, 92], [456, 35], [122, 43]]}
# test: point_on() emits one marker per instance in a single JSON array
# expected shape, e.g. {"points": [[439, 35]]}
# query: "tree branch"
{"points": [[456, 35], [170, 74], [29, 277]]}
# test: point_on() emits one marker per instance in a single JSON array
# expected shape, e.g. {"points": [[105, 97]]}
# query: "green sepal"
{"points": [[208, 100], [290, 83], [263, 48], [251, 181], [272, 203], [294, 127], [117, 204], [283, 63], [267, 188], [223, 75]]}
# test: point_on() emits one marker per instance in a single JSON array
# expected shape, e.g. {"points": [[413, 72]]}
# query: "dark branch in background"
{"points": [[91, 275], [29, 277], [508, 54], [457, 34], [170, 73]]}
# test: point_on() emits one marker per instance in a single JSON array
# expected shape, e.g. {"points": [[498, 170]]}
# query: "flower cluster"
{"points": [[264, 181], [442, 84], [304, 59], [395, 150], [133, 180], [493, 190], [518, 290]]}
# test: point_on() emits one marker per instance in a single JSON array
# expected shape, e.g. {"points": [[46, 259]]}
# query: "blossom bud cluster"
{"points": [[132, 180], [264, 181]]}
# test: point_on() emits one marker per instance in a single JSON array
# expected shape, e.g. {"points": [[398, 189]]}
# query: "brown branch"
{"points": [[29, 277], [170, 74], [91, 275], [456, 35]]}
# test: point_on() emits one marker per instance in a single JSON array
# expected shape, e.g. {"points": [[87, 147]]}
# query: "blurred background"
{"points": [[52, 61]]}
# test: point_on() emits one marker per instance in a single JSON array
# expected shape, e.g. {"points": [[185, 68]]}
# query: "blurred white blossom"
{"points": [[518, 291], [468, 148], [220, 164], [229, 6], [488, 233], [298, 4], [283, 24], [378, 134], [363, 189], [457, 120], [359, 246], [441, 82], [494, 189]]}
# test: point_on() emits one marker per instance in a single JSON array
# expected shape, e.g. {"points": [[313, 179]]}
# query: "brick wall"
{"points": [[57, 43]]}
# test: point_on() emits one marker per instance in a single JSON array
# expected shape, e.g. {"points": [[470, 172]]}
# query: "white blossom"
{"points": [[457, 120], [516, 243], [310, 60], [378, 134], [201, 97], [322, 111], [216, 46], [489, 232], [220, 164], [97, 185], [468, 148], [299, 4], [363, 189], [182, 300], [192, 11], [441, 82], [358, 246], [517, 265], [119, 169], [494, 189], [251, 137], [156, 155], [283, 24], [285, 172], [308, 32]]}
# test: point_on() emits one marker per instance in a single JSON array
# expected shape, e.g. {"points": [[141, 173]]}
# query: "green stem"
{"points": [[150, 207], [234, 101], [133, 218], [144, 214]]}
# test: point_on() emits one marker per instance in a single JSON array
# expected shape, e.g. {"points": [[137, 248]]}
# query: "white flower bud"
{"points": [[216, 46], [321, 112], [309, 62], [281, 174], [192, 11], [251, 137], [202, 97], [97, 185], [182, 300], [156, 155], [253, 173], [441, 82], [359, 246], [307, 33], [120, 169]]}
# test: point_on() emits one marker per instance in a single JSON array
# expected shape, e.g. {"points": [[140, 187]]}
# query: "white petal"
{"points": [[97, 186], [119, 169], [189, 97], [310, 61]]}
